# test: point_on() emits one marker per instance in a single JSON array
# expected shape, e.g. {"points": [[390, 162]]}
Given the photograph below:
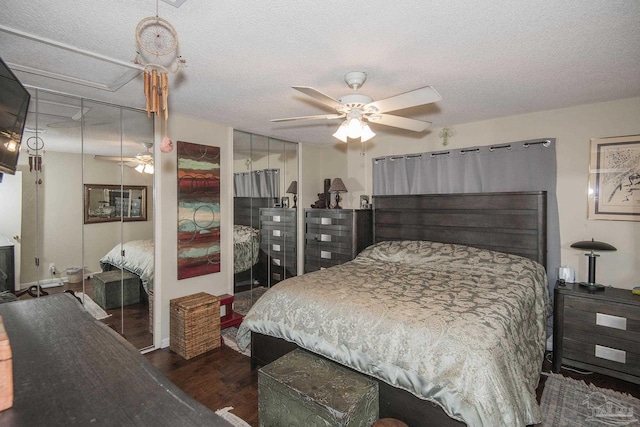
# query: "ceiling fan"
{"points": [[359, 109], [142, 162]]}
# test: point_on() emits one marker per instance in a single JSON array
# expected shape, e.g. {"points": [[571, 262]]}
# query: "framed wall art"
{"points": [[198, 209], [614, 178]]}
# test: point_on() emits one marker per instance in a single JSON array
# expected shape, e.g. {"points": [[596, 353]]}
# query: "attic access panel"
{"points": [[30, 53]]}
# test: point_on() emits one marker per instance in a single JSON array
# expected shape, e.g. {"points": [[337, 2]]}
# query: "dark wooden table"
{"points": [[70, 369]]}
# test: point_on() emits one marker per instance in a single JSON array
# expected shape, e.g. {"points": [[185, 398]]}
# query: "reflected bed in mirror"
{"points": [[107, 203]]}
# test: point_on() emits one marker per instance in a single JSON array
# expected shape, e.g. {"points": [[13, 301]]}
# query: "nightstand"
{"points": [[597, 331]]}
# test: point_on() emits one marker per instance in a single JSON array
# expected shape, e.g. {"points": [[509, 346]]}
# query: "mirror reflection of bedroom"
{"points": [[104, 254], [265, 215]]}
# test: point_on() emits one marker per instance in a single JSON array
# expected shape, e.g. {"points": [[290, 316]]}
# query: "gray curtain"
{"points": [[517, 166], [259, 183]]}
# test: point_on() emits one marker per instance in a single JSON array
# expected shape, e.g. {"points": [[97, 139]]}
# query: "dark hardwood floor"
{"points": [[217, 379], [223, 377]]}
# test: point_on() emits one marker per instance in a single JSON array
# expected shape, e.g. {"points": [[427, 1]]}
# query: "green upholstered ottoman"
{"points": [[302, 389], [108, 293]]}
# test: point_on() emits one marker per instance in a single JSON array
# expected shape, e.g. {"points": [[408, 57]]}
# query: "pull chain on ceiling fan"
{"points": [[359, 110]]}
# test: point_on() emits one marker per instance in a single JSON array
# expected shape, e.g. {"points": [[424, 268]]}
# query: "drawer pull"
{"points": [[325, 237], [276, 276], [611, 354], [325, 221], [276, 233], [276, 261], [325, 254], [611, 321], [276, 248], [276, 218]]}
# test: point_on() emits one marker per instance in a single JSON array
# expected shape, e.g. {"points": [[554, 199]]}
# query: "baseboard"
{"points": [[165, 343], [48, 283]]}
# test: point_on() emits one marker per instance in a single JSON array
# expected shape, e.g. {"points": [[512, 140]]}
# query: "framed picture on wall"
{"points": [[285, 202], [614, 178]]}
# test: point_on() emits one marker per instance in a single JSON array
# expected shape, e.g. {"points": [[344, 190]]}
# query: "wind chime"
{"points": [[35, 147], [157, 41]]}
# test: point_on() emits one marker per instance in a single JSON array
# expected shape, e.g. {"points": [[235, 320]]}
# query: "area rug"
{"points": [[573, 403], [243, 301], [233, 419], [229, 336], [90, 305]]}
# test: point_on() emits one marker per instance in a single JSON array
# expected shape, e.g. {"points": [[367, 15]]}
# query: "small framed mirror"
{"points": [[107, 203]]}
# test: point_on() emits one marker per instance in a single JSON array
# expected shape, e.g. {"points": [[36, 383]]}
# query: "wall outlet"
{"points": [[52, 268]]}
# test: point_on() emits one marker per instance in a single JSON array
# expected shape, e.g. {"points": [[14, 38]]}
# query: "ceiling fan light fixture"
{"points": [[148, 168], [140, 168], [354, 128], [366, 133], [342, 132], [11, 145]]}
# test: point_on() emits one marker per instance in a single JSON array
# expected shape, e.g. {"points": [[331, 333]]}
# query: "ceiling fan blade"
{"points": [[399, 122], [319, 96], [318, 117], [425, 95]]}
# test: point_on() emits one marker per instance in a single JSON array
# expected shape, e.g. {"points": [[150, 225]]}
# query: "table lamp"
{"points": [[592, 246], [293, 189], [337, 186]]}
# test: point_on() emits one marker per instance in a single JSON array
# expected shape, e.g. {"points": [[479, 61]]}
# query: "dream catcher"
{"points": [[158, 52], [35, 150]]}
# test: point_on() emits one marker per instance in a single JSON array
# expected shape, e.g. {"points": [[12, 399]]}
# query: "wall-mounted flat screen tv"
{"points": [[14, 102]]}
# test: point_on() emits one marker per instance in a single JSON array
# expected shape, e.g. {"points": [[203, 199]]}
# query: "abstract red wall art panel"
{"points": [[198, 209]]}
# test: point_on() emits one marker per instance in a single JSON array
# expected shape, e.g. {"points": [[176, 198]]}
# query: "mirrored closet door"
{"points": [[265, 213], [87, 209]]}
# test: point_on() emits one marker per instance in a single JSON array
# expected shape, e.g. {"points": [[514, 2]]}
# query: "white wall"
{"points": [[167, 286], [318, 163], [573, 128]]}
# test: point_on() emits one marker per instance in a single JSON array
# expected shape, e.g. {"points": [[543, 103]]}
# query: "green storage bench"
{"points": [[108, 293], [302, 389]]}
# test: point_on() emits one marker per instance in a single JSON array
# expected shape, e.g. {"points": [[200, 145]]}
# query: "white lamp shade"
{"points": [[367, 133], [342, 131], [148, 168], [140, 168], [355, 128]]}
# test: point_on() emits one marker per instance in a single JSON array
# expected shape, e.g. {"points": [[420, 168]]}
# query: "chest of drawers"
{"points": [[598, 331], [278, 254], [334, 236]]}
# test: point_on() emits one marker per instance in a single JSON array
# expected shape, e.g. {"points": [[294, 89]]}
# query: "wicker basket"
{"points": [[194, 324]]}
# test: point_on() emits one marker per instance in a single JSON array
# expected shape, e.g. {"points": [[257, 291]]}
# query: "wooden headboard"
{"points": [[514, 222], [246, 210]]}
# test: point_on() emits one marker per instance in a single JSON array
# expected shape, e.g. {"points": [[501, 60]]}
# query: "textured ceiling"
{"points": [[487, 59]]}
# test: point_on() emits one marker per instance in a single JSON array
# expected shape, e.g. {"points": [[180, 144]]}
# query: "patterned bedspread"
{"points": [[459, 326], [246, 246], [139, 259]]}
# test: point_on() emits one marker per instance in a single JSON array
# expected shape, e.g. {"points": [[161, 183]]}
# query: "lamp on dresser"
{"points": [[337, 186], [293, 189], [592, 246]]}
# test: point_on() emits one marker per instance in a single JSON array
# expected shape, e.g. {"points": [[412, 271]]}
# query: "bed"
{"points": [[447, 310], [246, 240], [139, 260]]}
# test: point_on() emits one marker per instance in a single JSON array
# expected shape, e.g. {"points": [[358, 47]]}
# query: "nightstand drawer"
{"points": [[622, 358]]}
